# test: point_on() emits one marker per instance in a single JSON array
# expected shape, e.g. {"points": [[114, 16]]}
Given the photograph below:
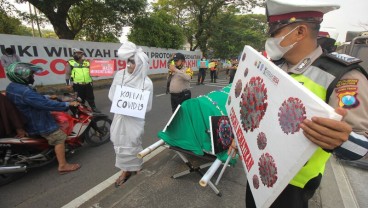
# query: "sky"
{"points": [[351, 16]]}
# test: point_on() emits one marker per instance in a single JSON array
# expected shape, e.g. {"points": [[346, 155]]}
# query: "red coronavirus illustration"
{"points": [[224, 132], [229, 100], [291, 114], [261, 141], [255, 181], [253, 104], [238, 88], [246, 72], [267, 170]]}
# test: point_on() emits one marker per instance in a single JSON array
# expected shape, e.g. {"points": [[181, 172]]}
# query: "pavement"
{"points": [[342, 186], [155, 187]]}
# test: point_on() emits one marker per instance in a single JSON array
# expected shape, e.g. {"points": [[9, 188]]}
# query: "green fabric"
{"points": [[317, 89], [316, 164], [189, 128]]}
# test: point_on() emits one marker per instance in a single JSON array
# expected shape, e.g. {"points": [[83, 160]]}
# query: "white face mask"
{"points": [[273, 48]]}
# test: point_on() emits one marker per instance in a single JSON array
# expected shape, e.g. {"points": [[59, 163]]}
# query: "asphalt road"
{"points": [[44, 187]]}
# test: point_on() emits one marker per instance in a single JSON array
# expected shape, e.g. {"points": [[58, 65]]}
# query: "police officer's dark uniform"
{"points": [[335, 78], [77, 70]]}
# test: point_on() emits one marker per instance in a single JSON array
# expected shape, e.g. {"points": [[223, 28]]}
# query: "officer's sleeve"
{"points": [[351, 94], [181, 73], [68, 72]]}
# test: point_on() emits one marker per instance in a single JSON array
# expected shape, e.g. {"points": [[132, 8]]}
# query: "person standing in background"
{"points": [[9, 57], [202, 65], [213, 70], [232, 69], [77, 75]]}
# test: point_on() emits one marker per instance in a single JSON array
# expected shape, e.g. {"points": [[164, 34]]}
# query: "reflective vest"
{"points": [[80, 73], [320, 78]]}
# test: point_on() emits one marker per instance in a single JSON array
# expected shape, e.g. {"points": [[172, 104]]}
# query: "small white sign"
{"points": [[130, 101]]}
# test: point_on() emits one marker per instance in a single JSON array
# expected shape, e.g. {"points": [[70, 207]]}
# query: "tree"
{"points": [[10, 24], [70, 17], [196, 16], [232, 32], [156, 30]]}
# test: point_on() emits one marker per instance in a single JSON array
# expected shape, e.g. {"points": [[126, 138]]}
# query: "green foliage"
{"points": [[93, 20], [157, 30], [232, 32], [196, 17]]}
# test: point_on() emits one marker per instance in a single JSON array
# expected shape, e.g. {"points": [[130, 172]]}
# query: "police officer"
{"points": [[337, 79], [180, 81], [77, 70]]}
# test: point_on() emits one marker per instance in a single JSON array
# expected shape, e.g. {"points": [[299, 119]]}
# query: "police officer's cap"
{"points": [[77, 50], [179, 56], [281, 13]]}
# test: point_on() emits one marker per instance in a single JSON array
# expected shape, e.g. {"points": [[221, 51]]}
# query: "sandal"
{"points": [[125, 175], [72, 167]]}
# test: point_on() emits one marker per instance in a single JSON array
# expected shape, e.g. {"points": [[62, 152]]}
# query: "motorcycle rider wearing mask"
{"points": [[77, 70], [36, 110], [293, 27]]}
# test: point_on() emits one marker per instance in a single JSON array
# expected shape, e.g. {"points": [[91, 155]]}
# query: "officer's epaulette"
{"points": [[343, 58]]}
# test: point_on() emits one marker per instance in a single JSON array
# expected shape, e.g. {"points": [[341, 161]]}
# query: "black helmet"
{"points": [[179, 56], [21, 73]]}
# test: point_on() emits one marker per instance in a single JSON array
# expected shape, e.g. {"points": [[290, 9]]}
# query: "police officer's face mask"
{"points": [[273, 48], [78, 56]]}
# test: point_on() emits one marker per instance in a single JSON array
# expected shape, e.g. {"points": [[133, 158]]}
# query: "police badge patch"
{"points": [[347, 92]]}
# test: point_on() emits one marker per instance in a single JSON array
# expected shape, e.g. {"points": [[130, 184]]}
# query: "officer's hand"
{"points": [[327, 133], [172, 68], [232, 147]]}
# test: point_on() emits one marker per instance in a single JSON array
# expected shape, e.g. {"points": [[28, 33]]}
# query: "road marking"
{"points": [[159, 95], [345, 189], [77, 202]]}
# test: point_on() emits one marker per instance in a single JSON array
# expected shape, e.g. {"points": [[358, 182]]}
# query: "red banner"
{"points": [[102, 68]]}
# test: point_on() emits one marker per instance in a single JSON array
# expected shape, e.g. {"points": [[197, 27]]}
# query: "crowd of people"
{"points": [[293, 40]]}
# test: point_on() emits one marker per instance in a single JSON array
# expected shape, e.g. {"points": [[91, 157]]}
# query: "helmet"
{"points": [[21, 73], [77, 50], [179, 56]]}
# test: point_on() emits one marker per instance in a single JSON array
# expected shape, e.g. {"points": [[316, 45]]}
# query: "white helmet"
{"points": [[77, 50]]}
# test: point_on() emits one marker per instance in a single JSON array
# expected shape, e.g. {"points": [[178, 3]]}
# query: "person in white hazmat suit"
{"points": [[126, 131]]}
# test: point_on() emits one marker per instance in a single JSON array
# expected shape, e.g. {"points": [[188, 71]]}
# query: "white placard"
{"points": [[266, 106], [130, 101]]}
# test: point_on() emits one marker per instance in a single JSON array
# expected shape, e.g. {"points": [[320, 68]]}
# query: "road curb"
{"points": [[344, 186], [77, 202]]}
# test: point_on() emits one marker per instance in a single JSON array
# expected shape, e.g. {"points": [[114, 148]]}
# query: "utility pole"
{"points": [[30, 12], [37, 21]]}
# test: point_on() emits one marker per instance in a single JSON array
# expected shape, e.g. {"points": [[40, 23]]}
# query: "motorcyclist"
{"points": [[36, 109]]}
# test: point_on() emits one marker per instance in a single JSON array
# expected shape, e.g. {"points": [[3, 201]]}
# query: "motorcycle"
{"points": [[82, 126]]}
